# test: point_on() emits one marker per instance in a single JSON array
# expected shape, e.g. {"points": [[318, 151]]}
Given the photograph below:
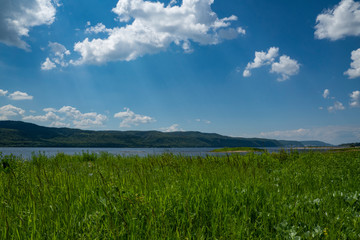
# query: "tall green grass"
{"points": [[268, 196]]}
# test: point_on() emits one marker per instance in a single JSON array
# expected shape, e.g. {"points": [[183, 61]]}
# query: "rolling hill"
{"points": [[22, 134]]}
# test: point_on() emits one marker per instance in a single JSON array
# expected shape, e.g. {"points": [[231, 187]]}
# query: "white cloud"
{"points": [[330, 134], [130, 118], [286, 66], [57, 54], [57, 3], [326, 93], [59, 124], [355, 99], [10, 111], [246, 73], [341, 21], [89, 122], [58, 50], [338, 106], [98, 28], [20, 96], [354, 70], [3, 92], [173, 2], [288, 134], [49, 116], [261, 59], [172, 128], [68, 116], [83, 120], [48, 65], [152, 27], [17, 17], [241, 30]]}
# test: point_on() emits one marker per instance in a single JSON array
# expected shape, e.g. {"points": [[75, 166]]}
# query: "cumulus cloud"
{"points": [[172, 128], [68, 116], [49, 116], [17, 17], [3, 92], [338, 106], [20, 96], [286, 66], [354, 70], [58, 50], [48, 65], [330, 134], [261, 59], [151, 27], [56, 58], [240, 30], [341, 21], [8, 111], [129, 118], [83, 120], [355, 99], [326, 93], [98, 28]]}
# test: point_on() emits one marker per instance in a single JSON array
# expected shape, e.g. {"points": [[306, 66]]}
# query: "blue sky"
{"points": [[252, 68]]}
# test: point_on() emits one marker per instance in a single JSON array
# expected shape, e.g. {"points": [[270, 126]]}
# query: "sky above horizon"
{"points": [[250, 68]]}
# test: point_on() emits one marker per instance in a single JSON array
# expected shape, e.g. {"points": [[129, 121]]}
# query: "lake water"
{"points": [[26, 153]]}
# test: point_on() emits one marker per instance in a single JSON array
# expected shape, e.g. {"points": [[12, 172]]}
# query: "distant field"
{"points": [[255, 196]]}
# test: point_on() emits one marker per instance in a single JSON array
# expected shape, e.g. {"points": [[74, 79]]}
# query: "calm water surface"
{"points": [[26, 153]]}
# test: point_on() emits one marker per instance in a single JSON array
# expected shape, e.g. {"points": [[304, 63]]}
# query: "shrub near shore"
{"points": [[268, 196]]}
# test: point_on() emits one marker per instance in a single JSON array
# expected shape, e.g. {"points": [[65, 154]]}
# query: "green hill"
{"points": [[350, 145], [22, 134], [316, 144]]}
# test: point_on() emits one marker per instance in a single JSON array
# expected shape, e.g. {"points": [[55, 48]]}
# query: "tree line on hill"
{"points": [[22, 134]]}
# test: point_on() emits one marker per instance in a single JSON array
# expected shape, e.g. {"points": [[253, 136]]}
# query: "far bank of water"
{"points": [[26, 152]]}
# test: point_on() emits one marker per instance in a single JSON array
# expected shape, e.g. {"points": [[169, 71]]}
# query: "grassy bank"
{"points": [[267, 196]]}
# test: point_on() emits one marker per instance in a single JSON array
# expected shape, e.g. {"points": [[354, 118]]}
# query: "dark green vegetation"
{"points": [[238, 149], [350, 145], [257, 196], [315, 144], [21, 134], [345, 149]]}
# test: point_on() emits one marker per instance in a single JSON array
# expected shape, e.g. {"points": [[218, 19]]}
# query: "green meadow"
{"points": [[255, 196]]}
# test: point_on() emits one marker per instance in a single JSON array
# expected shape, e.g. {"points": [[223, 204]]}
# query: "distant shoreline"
{"points": [[245, 150]]}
